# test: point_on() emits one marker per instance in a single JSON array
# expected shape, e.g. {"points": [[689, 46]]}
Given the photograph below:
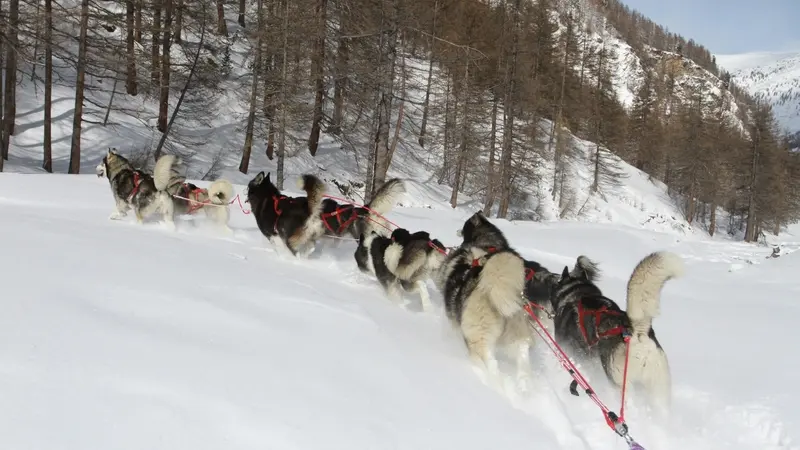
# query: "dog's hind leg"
{"points": [[219, 216], [482, 328], [658, 383], [167, 208], [424, 296], [121, 211], [517, 340]]}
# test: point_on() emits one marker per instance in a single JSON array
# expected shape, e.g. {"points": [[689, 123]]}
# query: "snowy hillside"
{"points": [[771, 76], [131, 129], [628, 72], [187, 340]]}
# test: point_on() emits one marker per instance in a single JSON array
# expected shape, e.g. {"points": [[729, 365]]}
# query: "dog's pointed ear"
{"points": [[259, 177], [477, 218], [565, 273], [267, 178]]}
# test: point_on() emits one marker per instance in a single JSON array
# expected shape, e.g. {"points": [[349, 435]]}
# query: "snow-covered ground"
{"points": [[116, 335]]}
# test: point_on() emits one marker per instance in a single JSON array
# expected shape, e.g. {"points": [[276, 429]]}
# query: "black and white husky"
{"points": [[592, 327], [482, 282], [403, 260], [293, 221], [186, 198], [340, 219], [132, 188]]}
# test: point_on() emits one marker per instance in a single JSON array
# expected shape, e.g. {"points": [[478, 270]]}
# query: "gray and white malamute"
{"points": [[403, 260], [592, 327], [482, 282], [295, 222], [132, 188], [186, 198]]}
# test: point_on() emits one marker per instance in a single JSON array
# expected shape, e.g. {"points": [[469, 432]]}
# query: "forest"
{"points": [[506, 85]]}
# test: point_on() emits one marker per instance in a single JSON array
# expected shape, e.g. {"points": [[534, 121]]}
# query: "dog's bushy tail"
{"points": [[387, 195], [383, 201], [220, 192], [585, 268], [405, 262], [644, 288], [166, 176], [315, 190], [502, 281]]}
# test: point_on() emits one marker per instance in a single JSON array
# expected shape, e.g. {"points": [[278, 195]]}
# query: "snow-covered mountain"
{"points": [[771, 76]]}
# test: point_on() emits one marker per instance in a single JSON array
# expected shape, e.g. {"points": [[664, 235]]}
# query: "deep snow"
{"points": [[115, 335]]}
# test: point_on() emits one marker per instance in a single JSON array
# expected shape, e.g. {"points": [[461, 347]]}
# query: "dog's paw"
{"points": [[524, 384], [170, 226], [116, 215]]}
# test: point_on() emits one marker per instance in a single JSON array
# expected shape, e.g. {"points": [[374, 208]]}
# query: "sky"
{"points": [[729, 26]]}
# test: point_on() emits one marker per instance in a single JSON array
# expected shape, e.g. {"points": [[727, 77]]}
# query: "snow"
{"points": [[772, 76], [126, 336]]}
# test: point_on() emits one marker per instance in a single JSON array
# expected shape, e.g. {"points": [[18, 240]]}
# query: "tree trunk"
{"points": [[75, 149], [750, 230], [166, 67], [462, 151], [137, 19], [447, 130], [130, 76], [596, 174], [10, 95], [426, 105], [386, 94], [340, 84], [242, 10], [508, 125], [36, 40], [179, 9], [244, 165], [712, 226], [490, 175], [111, 97], [284, 83], [188, 81], [155, 74], [557, 155], [318, 72], [222, 26], [47, 142]]}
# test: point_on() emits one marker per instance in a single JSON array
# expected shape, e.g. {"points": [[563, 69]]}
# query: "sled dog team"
{"points": [[485, 283]]}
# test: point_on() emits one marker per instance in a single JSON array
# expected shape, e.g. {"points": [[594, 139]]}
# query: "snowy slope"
{"points": [[636, 202], [115, 335], [773, 77]]}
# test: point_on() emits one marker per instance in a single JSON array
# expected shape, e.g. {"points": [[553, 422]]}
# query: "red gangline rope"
{"points": [[616, 423]]}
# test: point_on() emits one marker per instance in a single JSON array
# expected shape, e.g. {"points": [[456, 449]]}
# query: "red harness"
{"points": [[194, 204], [529, 273], [337, 213], [276, 200], [136, 182], [477, 261], [598, 315]]}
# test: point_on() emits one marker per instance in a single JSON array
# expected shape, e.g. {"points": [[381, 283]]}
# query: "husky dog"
{"points": [[131, 187], [404, 259], [339, 219], [593, 327], [186, 198], [294, 221], [482, 282], [479, 230]]}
